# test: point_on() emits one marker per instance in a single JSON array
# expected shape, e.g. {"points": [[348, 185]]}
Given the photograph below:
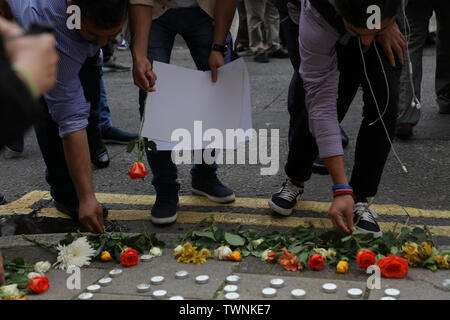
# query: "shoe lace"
{"points": [[290, 191], [364, 212]]}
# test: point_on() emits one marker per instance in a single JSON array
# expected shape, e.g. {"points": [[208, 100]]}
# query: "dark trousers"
{"points": [[372, 146], [196, 28], [47, 133]]}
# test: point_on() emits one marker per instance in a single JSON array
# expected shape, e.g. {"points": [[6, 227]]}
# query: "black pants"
{"points": [[372, 146]]}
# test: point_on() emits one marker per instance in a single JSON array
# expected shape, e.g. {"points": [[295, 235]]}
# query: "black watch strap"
{"points": [[221, 48]]}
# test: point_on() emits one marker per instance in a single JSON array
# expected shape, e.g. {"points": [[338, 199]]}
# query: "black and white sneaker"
{"points": [[284, 201], [365, 219]]}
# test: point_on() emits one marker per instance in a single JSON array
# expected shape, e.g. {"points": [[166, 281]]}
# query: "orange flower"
{"points": [[365, 258], [393, 267], [342, 267], [271, 255], [105, 256], [235, 256], [138, 171], [289, 261]]}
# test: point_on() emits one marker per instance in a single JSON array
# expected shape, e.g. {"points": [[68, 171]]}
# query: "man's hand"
{"points": [[2, 271], [143, 75], [392, 40], [90, 215], [341, 213], [35, 54], [216, 61]]}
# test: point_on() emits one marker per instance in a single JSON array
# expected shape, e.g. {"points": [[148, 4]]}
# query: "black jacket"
{"points": [[18, 109]]}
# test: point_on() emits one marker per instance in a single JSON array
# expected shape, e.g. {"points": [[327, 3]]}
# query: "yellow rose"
{"points": [[342, 267], [205, 253]]}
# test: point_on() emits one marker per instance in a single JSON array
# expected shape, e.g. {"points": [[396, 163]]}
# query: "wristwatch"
{"points": [[221, 48]]}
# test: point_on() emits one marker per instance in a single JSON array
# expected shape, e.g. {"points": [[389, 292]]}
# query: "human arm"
{"points": [[320, 74], [140, 18], [223, 17]]}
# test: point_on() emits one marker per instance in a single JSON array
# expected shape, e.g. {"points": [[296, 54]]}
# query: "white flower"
{"points": [[265, 255], [9, 291], [33, 275], [78, 253], [222, 253], [331, 253], [156, 252], [179, 249], [42, 266], [256, 243], [321, 251]]}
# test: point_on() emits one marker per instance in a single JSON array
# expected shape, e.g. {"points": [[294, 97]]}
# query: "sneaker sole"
{"points": [[279, 210], [375, 234], [167, 220], [226, 199]]}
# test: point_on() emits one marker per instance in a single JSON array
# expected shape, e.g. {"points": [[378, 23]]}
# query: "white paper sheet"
{"points": [[183, 96]]}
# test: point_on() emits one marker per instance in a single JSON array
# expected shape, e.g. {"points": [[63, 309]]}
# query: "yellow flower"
{"points": [[411, 248], [411, 253], [198, 259], [342, 267], [235, 256], [426, 249], [205, 253], [443, 262], [105, 256]]}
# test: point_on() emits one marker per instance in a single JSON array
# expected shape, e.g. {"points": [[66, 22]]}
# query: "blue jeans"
{"points": [[102, 113], [47, 133], [197, 29]]}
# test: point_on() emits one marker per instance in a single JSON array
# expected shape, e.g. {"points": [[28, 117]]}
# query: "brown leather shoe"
{"points": [[404, 130]]}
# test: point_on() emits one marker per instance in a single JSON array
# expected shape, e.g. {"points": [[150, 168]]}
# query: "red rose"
{"points": [[393, 267], [365, 259], [315, 262], [38, 285], [138, 171], [129, 257]]}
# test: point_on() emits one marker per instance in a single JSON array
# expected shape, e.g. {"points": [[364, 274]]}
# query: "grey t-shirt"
{"points": [[184, 3]]}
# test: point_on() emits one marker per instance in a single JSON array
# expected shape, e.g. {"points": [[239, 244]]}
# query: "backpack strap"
{"points": [[329, 13]]}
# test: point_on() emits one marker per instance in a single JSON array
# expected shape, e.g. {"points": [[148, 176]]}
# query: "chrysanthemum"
{"points": [[78, 253]]}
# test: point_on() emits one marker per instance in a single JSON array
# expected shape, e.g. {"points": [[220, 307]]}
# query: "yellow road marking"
{"points": [[21, 206], [240, 218]]}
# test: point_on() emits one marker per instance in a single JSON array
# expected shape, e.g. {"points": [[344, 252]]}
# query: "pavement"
{"points": [[423, 194]]}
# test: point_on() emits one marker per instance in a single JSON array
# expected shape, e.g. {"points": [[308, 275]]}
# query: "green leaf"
{"points": [[19, 261], [345, 239], [394, 251], [204, 234], [205, 243], [131, 145], [68, 239], [219, 235], [234, 239], [152, 145]]}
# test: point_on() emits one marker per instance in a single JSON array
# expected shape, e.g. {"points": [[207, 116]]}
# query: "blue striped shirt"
{"points": [[66, 102]]}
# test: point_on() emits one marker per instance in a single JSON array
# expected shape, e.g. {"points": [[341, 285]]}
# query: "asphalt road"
{"points": [[427, 154]]}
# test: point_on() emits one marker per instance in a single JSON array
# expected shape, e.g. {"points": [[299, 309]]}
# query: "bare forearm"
{"points": [[140, 23], [336, 168], [223, 16], [76, 151]]}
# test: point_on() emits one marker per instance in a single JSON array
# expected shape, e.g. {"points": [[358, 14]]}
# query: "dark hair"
{"points": [[355, 11], [105, 14]]}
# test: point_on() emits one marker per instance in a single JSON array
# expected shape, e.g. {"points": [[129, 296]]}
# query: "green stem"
{"points": [[141, 144], [39, 243]]}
